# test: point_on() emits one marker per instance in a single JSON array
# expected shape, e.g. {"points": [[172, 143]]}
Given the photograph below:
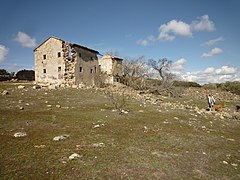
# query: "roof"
{"points": [[86, 48], [81, 46], [113, 57]]}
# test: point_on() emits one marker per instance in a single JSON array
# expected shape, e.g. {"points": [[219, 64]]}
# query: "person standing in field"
{"points": [[211, 101]]}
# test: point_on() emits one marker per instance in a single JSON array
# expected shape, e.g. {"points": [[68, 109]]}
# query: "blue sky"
{"points": [[199, 36]]}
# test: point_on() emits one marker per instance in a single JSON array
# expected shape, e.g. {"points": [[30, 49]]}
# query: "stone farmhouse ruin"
{"points": [[111, 67], [63, 63]]}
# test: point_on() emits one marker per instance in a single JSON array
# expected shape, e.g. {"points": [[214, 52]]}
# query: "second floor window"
{"points": [[44, 56], [59, 54]]}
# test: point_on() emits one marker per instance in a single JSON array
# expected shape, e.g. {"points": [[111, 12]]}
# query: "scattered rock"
{"points": [[96, 126], [20, 134], [74, 86], [58, 106], [74, 156], [21, 87], [61, 137], [234, 164], [124, 111], [21, 108], [49, 105], [225, 162], [145, 129], [40, 146], [5, 92], [98, 145], [37, 87]]}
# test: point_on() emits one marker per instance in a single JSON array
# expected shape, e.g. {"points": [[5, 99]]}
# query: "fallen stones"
{"points": [[5, 92], [74, 156], [52, 87], [20, 134], [61, 137], [21, 87], [37, 87], [98, 125]]}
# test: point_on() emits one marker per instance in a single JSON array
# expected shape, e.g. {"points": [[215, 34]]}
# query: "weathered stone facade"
{"points": [[112, 67], [59, 62]]}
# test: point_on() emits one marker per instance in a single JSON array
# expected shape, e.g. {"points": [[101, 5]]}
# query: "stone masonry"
{"points": [[62, 63]]}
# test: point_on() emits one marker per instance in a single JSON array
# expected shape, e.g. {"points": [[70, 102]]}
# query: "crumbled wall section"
{"points": [[70, 62]]}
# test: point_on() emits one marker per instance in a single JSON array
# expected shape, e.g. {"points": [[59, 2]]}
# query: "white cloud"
{"points": [[3, 52], [213, 52], [226, 70], [169, 31], [147, 41], [212, 75], [25, 40], [179, 65], [209, 70], [208, 75], [173, 28], [203, 24], [213, 41]]}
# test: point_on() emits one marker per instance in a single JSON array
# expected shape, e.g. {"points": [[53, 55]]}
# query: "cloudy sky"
{"points": [[200, 37]]}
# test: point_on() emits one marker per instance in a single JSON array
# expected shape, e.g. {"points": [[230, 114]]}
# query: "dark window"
{"points": [[44, 56], [44, 71], [80, 55], [91, 58], [91, 71], [59, 54], [59, 69], [95, 69], [80, 69]]}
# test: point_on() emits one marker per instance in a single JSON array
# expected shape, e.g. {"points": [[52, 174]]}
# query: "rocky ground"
{"points": [[77, 133]]}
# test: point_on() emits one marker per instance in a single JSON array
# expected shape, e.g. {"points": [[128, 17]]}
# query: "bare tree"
{"points": [[118, 99], [135, 73], [162, 66]]}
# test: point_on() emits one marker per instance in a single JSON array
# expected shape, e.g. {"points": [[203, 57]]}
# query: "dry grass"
{"points": [[171, 144]]}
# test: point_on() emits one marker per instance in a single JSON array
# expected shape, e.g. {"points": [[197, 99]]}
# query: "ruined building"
{"points": [[59, 62], [111, 66]]}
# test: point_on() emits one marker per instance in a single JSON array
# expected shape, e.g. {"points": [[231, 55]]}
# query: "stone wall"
{"points": [[111, 66], [49, 62], [86, 67]]}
